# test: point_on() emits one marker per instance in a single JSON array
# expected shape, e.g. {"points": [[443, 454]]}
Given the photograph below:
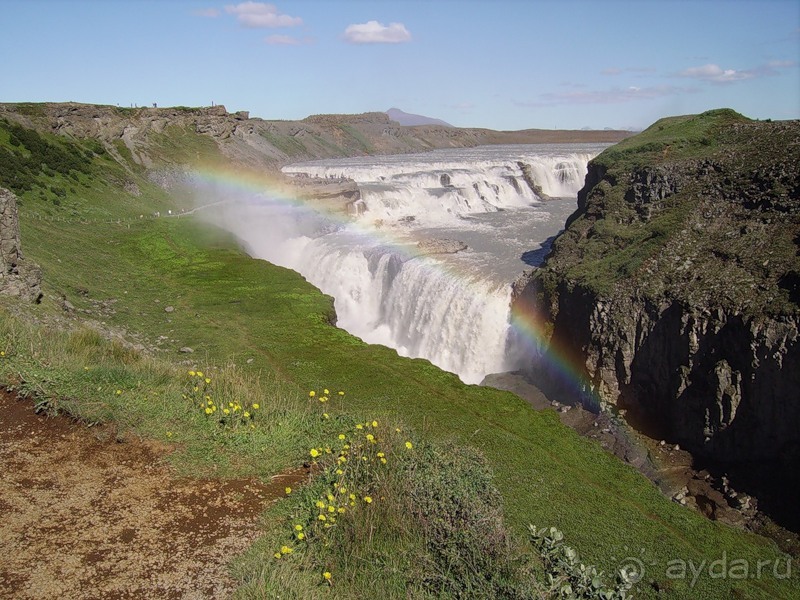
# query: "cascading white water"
{"points": [[440, 186], [452, 309]]}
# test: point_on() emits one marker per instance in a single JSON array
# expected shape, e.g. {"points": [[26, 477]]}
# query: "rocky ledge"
{"points": [[18, 277]]}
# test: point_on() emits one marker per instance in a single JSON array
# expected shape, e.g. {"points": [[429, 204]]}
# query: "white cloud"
{"points": [[716, 74], [206, 12], [259, 14], [282, 40], [373, 32]]}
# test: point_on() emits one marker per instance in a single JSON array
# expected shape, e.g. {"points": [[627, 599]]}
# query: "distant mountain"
{"points": [[404, 118]]}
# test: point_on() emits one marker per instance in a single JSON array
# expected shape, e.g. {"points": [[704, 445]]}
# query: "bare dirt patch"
{"points": [[87, 514]]}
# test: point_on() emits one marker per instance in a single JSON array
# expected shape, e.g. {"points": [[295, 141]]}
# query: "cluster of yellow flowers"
{"points": [[325, 396], [348, 467], [231, 413]]}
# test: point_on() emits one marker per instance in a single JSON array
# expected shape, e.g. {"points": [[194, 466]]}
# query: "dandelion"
{"points": [[320, 504], [256, 406], [208, 410], [327, 575], [326, 392], [374, 423], [301, 536], [298, 527], [370, 437], [331, 509], [119, 392], [322, 518], [409, 445], [383, 461], [288, 490], [226, 411], [368, 499], [277, 555], [208, 380], [314, 453], [191, 373], [312, 393], [286, 550], [341, 436], [359, 426]]}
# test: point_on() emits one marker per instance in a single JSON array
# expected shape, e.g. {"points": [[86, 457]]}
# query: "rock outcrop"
{"points": [[18, 277], [674, 290]]}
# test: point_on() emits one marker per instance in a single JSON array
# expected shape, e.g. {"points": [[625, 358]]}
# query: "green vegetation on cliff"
{"points": [[265, 334]]}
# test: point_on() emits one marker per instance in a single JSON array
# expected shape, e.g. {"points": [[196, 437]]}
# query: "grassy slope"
{"points": [[230, 308]]}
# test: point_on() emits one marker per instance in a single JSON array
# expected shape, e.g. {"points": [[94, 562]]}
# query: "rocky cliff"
{"points": [[675, 289], [18, 277]]}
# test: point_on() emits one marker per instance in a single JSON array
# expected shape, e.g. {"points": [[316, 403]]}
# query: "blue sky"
{"points": [[510, 64]]}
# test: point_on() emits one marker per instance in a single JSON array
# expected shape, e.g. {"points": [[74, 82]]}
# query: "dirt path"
{"points": [[85, 515]]}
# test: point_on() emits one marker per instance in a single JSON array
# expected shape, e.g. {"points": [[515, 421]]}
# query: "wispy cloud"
{"points": [[373, 32], [261, 15], [210, 13], [616, 95], [716, 74]]}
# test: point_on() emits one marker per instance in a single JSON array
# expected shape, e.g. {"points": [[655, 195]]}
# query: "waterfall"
{"points": [[452, 309]]}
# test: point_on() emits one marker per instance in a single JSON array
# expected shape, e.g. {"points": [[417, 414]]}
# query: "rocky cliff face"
{"points": [[675, 287], [18, 277]]}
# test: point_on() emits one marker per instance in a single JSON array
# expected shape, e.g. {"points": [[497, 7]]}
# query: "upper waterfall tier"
{"points": [[434, 188]]}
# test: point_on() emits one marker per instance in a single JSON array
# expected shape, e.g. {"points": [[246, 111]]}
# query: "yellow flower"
{"points": [[409, 445], [330, 497], [312, 393], [314, 453], [320, 504], [226, 411], [286, 550], [326, 415], [199, 373], [341, 510], [208, 410], [208, 380], [277, 555], [326, 392], [288, 490], [370, 437], [341, 393], [209, 401], [341, 436], [322, 518], [359, 426], [256, 406], [331, 509], [119, 392], [246, 415], [339, 471], [327, 575], [328, 451], [342, 490], [301, 535], [191, 373], [368, 499], [381, 455], [374, 423], [383, 461], [169, 434]]}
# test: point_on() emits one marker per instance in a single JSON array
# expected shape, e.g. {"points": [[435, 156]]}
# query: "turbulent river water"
{"points": [[390, 264]]}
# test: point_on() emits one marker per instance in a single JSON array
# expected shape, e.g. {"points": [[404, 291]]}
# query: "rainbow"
{"points": [[527, 324]]}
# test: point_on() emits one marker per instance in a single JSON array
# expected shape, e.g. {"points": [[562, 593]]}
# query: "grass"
{"points": [[264, 335]]}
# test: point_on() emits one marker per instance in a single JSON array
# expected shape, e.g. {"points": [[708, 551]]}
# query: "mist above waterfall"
{"points": [[449, 307]]}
